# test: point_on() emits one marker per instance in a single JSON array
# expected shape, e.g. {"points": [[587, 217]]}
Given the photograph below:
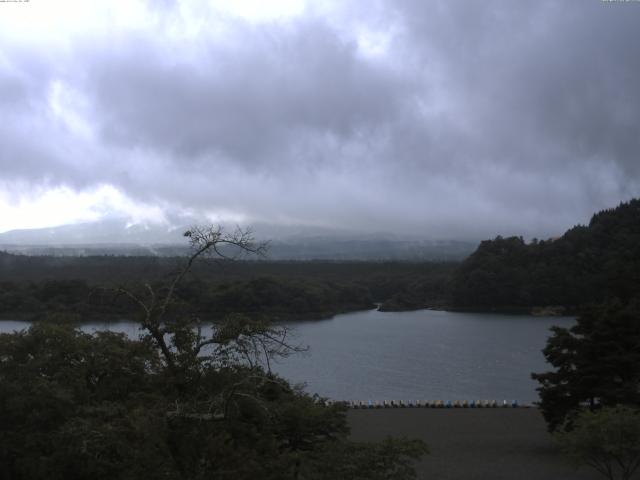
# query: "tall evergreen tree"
{"points": [[597, 363]]}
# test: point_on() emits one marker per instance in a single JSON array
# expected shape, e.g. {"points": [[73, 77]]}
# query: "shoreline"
{"points": [[472, 444], [275, 317], [286, 317], [534, 311]]}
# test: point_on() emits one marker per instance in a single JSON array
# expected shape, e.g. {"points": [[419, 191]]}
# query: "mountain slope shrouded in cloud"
{"points": [[118, 237]]}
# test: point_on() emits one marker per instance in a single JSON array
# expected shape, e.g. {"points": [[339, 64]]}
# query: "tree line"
{"points": [[84, 286], [272, 297]]}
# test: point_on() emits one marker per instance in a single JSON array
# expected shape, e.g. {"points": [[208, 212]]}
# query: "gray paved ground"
{"points": [[470, 444]]}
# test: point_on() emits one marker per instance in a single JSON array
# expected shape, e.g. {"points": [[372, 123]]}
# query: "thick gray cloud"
{"points": [[451, 119], [244, 100]]}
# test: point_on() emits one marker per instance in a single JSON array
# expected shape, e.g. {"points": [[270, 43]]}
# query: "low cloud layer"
{"points": [[446, 119]]}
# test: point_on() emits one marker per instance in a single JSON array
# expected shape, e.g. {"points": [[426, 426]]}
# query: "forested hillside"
{"points": [[40, 287], [586, 265]]}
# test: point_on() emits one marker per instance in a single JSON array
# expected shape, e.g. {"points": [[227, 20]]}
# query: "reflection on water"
{"points": [[409, 355]]}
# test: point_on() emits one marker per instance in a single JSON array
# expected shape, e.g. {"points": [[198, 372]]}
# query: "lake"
{"points": [[424, 354]]}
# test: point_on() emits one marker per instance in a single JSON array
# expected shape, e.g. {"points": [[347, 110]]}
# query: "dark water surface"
{"points": [[422, 355]]}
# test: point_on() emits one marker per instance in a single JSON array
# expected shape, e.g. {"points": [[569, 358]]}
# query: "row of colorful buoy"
{"points": [[433, 404]]}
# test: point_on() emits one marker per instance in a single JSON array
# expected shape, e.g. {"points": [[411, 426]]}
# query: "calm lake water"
{"points": [[423, 355]]}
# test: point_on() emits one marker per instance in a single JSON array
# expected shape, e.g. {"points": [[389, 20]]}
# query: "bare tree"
{"points": [[236, 339]]}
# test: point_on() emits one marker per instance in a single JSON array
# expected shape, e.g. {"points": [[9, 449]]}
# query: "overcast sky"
{"points": [[451, 119]]}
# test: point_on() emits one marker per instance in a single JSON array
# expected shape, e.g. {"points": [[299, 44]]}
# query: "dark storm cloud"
{"points": [[474, 118], [544, 92], [547, 81], [248, 99]]}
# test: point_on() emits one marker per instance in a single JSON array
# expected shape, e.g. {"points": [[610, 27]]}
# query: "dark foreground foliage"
{"points": [[597, 363], [189, 400], [102, 406], [607, 440]]}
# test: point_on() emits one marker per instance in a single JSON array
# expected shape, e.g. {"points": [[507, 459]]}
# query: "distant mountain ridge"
{"points": [[110, 231], [117, 237]]}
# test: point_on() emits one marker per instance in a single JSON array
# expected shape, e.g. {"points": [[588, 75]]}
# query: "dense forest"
{"points": [[45, 287], [587, 264]]}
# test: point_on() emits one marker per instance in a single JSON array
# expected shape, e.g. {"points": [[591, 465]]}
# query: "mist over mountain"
{"points": [[117, 236]]}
